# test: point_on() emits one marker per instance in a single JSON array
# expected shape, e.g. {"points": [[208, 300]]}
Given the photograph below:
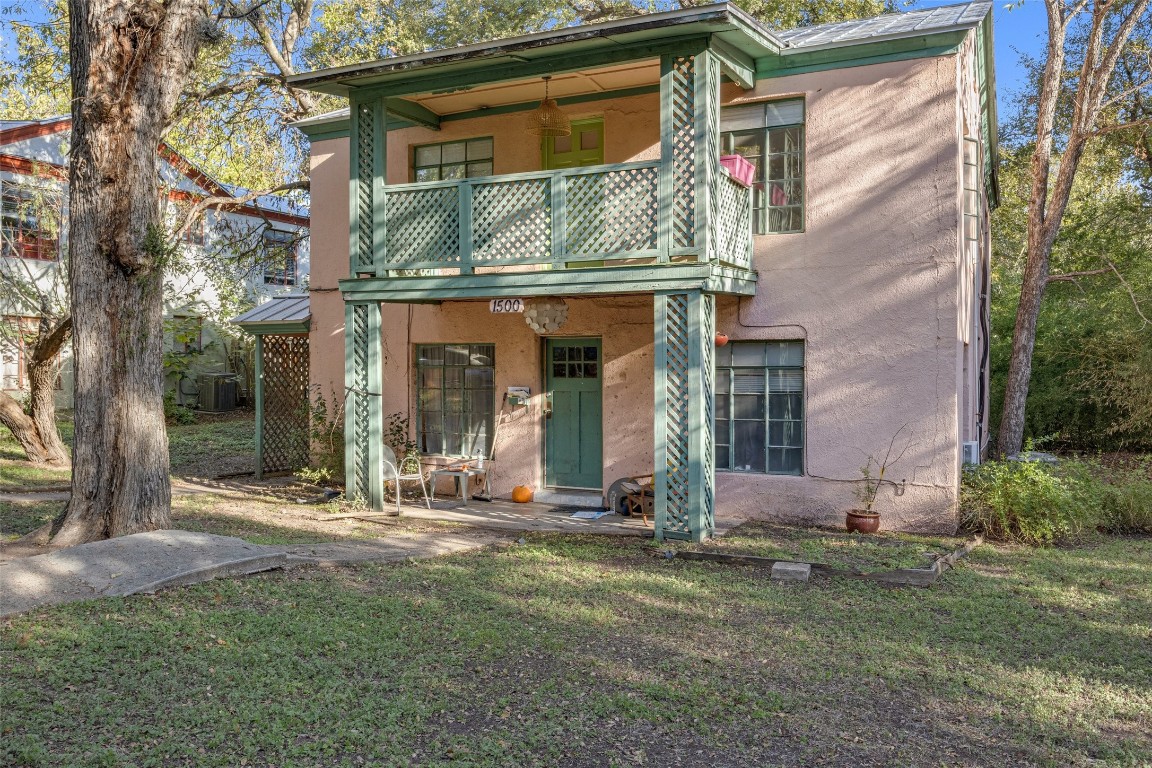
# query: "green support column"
{"points": [[689, 151], [364, 407], [258, 378], [367, 212], [684, 415]]}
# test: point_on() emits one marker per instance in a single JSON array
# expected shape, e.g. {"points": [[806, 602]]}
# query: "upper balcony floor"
{"points": [[452, 196]]}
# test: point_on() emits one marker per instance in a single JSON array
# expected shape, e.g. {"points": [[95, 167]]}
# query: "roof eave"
{"points": [[336, 80], [903, 35]]}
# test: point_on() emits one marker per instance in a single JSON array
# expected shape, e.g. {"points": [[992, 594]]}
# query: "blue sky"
{"points": [[1019, 28]]}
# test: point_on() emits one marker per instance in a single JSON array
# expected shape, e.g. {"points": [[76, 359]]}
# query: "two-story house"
{"points": [[33, 232], [583, 281]]}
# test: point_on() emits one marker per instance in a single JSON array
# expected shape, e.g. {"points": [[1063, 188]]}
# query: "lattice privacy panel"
{"points": [[708, 159], [365, 142], [708, 433], [360, 471], [424, 226], [676, 334], [512, 221], [683, 151], [611, 212], [734, 222], [285, 403]]}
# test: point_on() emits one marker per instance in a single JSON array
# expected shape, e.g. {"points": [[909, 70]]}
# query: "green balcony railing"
{"points": [[602, 213]]}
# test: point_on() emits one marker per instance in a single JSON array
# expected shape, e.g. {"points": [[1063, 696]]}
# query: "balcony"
{"points": [[516, 232]]}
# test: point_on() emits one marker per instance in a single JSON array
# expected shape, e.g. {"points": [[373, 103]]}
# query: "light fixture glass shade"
{"points": [[546, 315], [549, 119]]}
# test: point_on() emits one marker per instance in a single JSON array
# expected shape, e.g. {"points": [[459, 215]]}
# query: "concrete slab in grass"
{"points": [[142, 562], [783, 570]]}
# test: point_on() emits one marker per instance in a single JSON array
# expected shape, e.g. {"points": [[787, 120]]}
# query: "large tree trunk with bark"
{"points": [[129, 62], [1110, 28], [36, 431]]}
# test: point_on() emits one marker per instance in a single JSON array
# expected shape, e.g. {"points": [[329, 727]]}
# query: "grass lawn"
{"points": [[216, 444], [596, 651]]}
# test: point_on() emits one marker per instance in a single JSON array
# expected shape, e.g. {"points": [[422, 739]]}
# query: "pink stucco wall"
{"points": [[870, 286]]}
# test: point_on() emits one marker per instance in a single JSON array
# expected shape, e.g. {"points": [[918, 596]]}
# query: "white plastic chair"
{"points": [[392, 473]]}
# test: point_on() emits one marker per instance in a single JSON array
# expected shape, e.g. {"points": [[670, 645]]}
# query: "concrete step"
{"points": [[569, 498]]}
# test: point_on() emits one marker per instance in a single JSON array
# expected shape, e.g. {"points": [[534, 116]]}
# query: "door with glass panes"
{"points": [[573, 447]]}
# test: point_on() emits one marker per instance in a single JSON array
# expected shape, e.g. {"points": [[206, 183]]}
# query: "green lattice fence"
{"points": [[285, 403], [734, 224]]}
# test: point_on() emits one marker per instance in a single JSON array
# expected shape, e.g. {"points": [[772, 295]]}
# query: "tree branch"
{"points": [[229, 203]]}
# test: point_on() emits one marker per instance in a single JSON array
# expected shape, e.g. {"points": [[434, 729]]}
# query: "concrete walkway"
{"points": [[147, 562]]}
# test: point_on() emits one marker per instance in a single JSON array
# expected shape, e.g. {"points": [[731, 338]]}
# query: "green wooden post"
{"points": [[259, 382], [465, 228], [558, 194], [684, 415], [367, 219], [364, 407]]}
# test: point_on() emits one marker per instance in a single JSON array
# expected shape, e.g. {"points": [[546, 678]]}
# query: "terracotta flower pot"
{"points": [[861, 522], [721, 339], [521, 494]]}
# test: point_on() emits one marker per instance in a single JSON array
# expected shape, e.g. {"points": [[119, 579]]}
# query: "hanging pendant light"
{"points": [[549, 119]]}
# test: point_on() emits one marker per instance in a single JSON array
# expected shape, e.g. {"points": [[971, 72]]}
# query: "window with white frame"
{"points": [[29, 222], [280, 266], [452, 160], [760, 407], [770, 135], [456, 393]]}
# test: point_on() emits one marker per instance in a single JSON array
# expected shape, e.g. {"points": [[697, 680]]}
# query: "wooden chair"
{"points": [[639, 498]]}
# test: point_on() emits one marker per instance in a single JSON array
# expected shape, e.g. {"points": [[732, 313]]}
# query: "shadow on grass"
{"points": [[588, 651]]}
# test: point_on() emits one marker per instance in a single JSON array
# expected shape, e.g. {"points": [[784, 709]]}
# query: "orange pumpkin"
{"points": [[521, 494]]}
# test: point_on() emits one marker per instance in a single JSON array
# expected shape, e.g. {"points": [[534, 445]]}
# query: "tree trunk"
{"points": [[36, 431], [129, 62], [23, 429]]}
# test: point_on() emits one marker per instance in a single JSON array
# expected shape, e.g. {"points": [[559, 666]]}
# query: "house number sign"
{"points": [[501, 306]]}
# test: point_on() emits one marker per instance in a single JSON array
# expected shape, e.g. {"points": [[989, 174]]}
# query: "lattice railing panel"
{"points": [[677, 415], [512, 221], [365, 142], [285, 386], [611, 212], [424, 226], [683, 151], [360, 404], [734, 222]]}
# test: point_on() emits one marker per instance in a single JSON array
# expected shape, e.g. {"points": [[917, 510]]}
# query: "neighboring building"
{"points": [[33, 235], [852, 279]]}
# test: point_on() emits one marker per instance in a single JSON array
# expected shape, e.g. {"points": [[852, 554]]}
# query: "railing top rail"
{"points": [[529, 176]]}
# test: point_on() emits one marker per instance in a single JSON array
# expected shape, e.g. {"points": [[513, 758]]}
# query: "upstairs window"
{"points": [[30, 226], [760, 407], [280, 258], [770, 135], [456, 392], [453, 160], [194, 234]]}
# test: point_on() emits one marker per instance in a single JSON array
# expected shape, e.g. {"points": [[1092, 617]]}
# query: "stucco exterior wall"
{"points": [[870, 286]]}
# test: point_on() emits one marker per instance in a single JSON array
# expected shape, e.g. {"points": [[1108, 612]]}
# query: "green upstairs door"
{"points": [[584, 147], [573, 450]]}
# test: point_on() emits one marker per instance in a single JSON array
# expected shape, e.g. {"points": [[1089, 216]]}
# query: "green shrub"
{"points": [[1126, 503], [177, 414], [1030, 502]]}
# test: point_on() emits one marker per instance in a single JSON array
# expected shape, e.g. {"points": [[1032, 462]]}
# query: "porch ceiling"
{"points": [[633, 74], [596, 281]]}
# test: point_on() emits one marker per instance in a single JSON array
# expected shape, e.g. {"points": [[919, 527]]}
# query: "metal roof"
{"points": [[890, 26], [277, 310]]}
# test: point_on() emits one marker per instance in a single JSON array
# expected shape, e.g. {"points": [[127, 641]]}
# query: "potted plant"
{"points": [[865, 519]]}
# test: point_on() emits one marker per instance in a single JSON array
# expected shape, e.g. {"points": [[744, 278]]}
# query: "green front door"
{"points": [[573, 448]]}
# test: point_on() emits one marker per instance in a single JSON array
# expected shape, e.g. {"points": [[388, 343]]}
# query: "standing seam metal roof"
{"points": [[280, 309], [888, 25]]}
